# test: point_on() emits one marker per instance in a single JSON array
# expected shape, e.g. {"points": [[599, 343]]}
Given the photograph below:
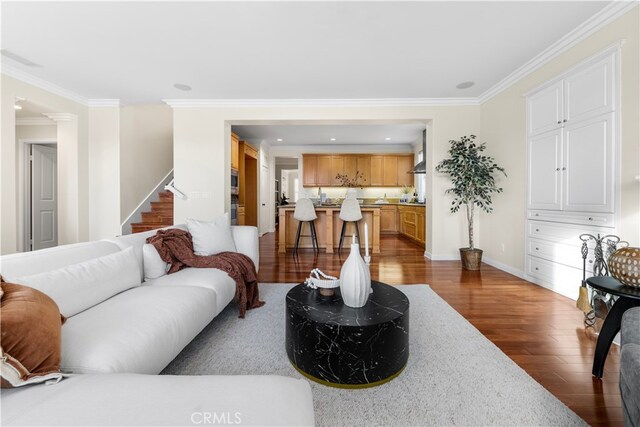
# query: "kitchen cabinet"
{"points": [[389, 219], [390, 170], [235, 159], [364, 168], [337, 167], [377, 178], [323, 172], [241, 215], [405, 164], [383, 170], [309, 169], [412, 222]]}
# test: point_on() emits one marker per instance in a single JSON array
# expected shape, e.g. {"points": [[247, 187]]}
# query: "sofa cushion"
{"points": [[140, 330], [30, 344], [78, 287], [211, 237], [43, 260], [154, 266], [211, 278], [162, 400]]}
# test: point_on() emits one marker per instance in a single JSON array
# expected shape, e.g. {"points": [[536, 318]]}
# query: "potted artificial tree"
{"points": [[472, 175]]}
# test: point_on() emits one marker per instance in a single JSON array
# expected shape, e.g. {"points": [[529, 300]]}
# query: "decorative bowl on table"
{"points": [[325, 283], [624, 266]]}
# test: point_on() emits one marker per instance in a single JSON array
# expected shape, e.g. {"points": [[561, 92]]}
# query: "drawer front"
{"points": [[554, 272], [567, 234], [568, 255], [593, 219]]}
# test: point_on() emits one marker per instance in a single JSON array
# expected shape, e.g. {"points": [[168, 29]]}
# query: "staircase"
{"points": [[161, 214]]}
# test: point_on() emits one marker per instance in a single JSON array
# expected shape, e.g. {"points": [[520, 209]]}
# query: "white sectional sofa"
{"points": [[139, 331]]}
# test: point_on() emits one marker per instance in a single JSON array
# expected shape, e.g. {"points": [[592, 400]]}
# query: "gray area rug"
{"points": [[455, 376]]}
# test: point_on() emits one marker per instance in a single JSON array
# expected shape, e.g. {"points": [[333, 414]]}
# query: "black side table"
{"points": [[628, 297], [346, 347]]}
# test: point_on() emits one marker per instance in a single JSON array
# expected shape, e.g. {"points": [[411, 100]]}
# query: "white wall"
{"points": [[202, 156], [146, 152], [503, 128], [104, 172], [73, 179]]}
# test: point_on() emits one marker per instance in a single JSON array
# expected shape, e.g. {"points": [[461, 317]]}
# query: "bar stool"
{"points": [[349, 212], [305, 212]]}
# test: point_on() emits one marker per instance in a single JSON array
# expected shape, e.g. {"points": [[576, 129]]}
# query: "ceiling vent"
{"points": [[24, 61]]}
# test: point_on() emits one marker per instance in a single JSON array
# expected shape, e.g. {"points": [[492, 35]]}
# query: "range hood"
{"points": [[421, 167]]}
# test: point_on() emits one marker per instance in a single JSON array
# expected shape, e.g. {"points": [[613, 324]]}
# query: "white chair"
{"points": [[305, 212], [350, 212]]}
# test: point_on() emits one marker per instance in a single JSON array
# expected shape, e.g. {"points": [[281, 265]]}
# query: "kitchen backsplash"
{"points": [[361, 193]]}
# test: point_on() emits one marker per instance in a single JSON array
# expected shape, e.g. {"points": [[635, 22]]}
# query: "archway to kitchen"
{"points": [[321, 161]]}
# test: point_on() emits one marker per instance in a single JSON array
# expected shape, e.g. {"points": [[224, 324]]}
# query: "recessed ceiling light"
{"points": [[181, 86], [387, 139], [17, 106], [332, 139], [279, 139], [465, 85]]}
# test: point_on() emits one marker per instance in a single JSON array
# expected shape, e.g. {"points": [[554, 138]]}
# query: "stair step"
{"points": [[156, 216], [142, 227], [166, 196], [160, 205]]}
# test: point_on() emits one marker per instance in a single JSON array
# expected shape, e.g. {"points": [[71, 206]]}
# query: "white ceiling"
{"points": [[136, 51], [322, 134]]}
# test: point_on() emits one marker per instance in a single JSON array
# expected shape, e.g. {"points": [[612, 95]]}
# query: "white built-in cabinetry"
{"points": [[572, 139]]}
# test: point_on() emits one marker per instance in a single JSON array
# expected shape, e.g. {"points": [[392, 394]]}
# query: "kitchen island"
{"points": [[328, 227]]}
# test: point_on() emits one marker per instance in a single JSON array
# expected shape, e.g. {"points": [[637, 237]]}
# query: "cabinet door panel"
{"points": [[544, 171], [588, 159], [405, 164], [377, 168], [590, 92], [545, 109], [364, 168], [388, 223], [350, 166], [337, 167], [323, 173], [309, 166], [390, 170]]}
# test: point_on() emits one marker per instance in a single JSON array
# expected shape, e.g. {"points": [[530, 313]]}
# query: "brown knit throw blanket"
{"points": [[175, 247]]}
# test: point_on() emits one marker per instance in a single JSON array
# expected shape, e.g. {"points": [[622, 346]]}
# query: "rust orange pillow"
{"points": [[30, 336]]}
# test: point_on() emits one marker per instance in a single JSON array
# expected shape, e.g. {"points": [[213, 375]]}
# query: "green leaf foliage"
{"points": [[472, 174]]}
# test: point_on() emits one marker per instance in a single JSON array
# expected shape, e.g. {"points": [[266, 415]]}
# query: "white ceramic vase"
{"points": [[355, 279]]}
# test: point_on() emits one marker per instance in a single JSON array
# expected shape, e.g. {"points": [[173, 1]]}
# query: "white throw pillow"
{"points": [[154, 266], [78, 287], [210, 238]]}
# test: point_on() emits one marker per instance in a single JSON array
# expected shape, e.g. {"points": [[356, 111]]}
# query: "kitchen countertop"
{"points": [[364, 205]]}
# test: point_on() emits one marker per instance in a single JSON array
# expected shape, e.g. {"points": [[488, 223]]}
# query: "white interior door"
{"points": [[44, 197], [545, 159], [264, 199]]}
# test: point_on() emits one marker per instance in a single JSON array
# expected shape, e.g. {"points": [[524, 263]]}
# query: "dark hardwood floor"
{"points": [[538, 329]]}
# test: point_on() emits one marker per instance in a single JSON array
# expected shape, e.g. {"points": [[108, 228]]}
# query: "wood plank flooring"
{"points": [[538, 329]]}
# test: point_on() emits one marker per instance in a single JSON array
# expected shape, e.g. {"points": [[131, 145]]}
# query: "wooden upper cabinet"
{"points": [[310, 168], [405, 164], [350, 166], [363, 166], [337, 167], [323, 172], [235, 142], [390, 170], [377, 177]]}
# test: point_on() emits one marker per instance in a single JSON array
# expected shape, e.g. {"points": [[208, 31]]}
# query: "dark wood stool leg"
{"points": [[295, 248], [610, 328], [314, 238], [357, 232], [344, 225]]}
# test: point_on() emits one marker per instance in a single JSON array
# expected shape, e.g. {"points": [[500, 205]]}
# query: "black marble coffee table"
{"points": [[341, 346]]}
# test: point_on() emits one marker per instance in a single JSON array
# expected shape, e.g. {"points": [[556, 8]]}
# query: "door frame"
{"points": [[24, 180]]}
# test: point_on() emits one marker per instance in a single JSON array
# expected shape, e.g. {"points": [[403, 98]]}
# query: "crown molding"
{"points": [[60, 117], [23, 76], [608, 14], [34, 121], [95, 103], [353, 102]]}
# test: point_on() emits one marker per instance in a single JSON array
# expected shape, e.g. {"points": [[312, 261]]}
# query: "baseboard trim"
{"points": [[442, 257], [504, 267]]}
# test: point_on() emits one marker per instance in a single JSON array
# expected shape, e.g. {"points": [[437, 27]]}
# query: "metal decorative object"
{"points": [[601, 302]]}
